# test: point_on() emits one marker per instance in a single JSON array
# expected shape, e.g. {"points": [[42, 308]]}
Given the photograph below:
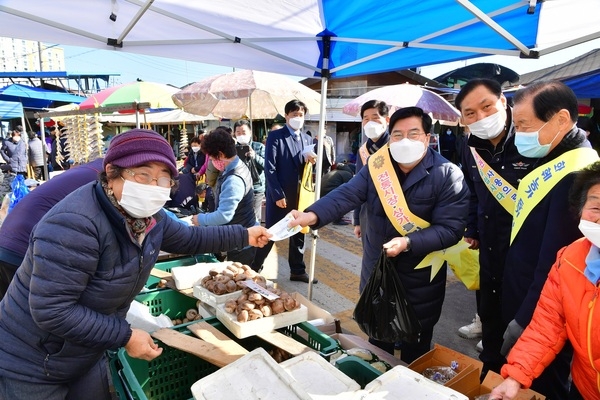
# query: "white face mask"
{"points": [[142, 201], [407, 151], [373, 130], [296, 123], [16, 138], [591, 231], [243, 139], [195, 149], [491, 126]]}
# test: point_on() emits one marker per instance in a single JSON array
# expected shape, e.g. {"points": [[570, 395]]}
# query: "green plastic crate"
{"points": [[310, 336], [169, 302], [152, 282], [358, 369], [171, 375]]}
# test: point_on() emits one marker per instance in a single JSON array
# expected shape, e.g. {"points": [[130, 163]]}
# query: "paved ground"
{"points": [[337, 267]]}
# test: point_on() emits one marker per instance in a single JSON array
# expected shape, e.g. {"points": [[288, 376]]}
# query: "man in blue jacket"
{"points": [[254, 157], [286, 155], [418, 204], [493, 169], [545, 117]]}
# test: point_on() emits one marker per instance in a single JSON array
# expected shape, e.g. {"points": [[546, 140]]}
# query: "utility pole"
{"points": [[41, 63]]}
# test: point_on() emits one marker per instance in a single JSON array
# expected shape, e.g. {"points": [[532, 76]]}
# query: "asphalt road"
{"points": [[337, 268]]}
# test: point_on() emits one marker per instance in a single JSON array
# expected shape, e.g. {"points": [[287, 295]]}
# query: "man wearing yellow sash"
{"points": [[493, 168], [544, 116], [416, 203], [375, 119]]}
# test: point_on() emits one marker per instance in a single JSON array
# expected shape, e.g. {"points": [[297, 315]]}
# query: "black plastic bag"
{"points": [[382, 311]]}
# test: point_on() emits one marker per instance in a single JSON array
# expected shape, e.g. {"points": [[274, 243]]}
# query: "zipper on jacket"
{"points": [[591, 307], [46, 364]]}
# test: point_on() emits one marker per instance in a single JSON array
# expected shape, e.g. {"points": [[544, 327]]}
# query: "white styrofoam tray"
{"points": [[319, 378], [403, 383], [262, 325], [187, 277], [252, 377], [212, 299]]}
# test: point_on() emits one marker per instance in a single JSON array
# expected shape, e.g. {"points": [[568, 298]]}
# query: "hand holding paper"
{"points": [[309, 153], [281, 230]]}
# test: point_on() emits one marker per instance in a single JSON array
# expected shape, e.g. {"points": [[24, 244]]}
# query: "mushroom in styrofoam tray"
{"points": [[229, 279], [251, 305]]}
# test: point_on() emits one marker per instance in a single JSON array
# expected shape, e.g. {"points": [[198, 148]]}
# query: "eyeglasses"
{"points": [[146, 179], [413, 134]]}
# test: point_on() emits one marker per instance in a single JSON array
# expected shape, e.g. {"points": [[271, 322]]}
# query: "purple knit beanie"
{"points": [[140, 146]]}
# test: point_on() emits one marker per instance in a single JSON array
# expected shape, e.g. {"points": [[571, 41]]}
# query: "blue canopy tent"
{"points": [[310, 38], [585, 86], [36, 98], [10, 110]]}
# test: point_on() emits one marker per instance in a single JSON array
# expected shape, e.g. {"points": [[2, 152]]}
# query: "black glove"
{"points": [[511, 335]]}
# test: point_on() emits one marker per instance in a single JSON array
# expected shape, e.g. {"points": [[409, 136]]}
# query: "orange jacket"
{"points": [[568, 308]]}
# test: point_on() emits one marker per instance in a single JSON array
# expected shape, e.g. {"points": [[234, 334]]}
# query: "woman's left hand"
{"points": [[507, 390], [258, 236]]}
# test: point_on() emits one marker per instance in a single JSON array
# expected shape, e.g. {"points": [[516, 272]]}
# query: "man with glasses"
{"points": [[418, 204]]}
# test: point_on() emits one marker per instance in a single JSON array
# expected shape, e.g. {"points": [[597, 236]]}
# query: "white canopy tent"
{"points": [[310, 38], [157, 118]]}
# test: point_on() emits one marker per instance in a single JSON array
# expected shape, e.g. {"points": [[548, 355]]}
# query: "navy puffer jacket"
{"points": [[435, 191], [68, 301]]}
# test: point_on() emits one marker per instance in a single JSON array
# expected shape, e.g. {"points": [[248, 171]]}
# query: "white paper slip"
{"points": [[281, 230], [260, 290]]}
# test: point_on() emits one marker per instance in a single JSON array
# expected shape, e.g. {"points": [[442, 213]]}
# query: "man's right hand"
{"points": [[357, 231], [281, 203], [473, 243]]}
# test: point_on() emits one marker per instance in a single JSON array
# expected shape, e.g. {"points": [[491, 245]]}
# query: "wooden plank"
{"points": [[284, 342], [171, 285], [197, 347], [159, 273], [212, 335]]}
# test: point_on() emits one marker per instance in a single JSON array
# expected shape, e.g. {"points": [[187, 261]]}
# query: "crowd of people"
{"points": [[523, 189]]}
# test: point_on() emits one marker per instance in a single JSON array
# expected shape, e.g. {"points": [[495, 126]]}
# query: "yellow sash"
{"points": [[393, 201], [363, 153], [538, 183], [501, 189]]}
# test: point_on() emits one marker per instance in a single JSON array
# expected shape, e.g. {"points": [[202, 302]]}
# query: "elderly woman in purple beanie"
{"points": [[87, 259]]}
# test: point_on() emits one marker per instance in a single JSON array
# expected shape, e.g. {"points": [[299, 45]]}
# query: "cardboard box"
{"points": [[352, 341], [441, 356], [493, 379]]}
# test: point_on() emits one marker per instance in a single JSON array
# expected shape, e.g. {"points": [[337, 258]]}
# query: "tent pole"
{"points": [[44, 154], [319, 171]]}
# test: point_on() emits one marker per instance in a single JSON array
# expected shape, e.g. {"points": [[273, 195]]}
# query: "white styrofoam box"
{"points": [[403, 383], [213, 300], [320, 379], [254, 376], [187, 277], [206, 311], [208, 297], [262, 325]]}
